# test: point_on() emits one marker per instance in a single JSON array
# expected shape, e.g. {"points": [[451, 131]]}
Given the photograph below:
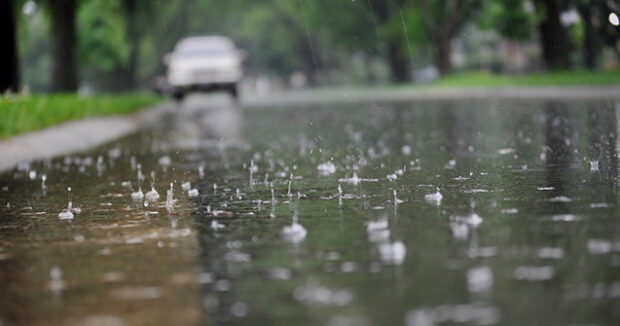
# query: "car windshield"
{"points": [[204, 47]]}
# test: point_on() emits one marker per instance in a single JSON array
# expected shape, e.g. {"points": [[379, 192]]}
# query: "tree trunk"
{"points": [[553, 36], [371, 77], [399, 64], [134, 43], [64, 43], [591, 43], [9, 63], [442, 57], [309, 59]]}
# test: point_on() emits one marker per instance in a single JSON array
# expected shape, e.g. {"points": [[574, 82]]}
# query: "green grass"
{"points": [[24, 114], [575, 78]]}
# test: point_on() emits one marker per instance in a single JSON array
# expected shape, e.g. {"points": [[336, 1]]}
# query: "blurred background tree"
{"points": [[118, 45], [9, 72], [64, 77], [443, 19]]}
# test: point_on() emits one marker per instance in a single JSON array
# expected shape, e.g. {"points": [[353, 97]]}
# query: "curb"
{"points": [[305, 97]]}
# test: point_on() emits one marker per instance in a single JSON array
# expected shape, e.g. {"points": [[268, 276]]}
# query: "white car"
{"points": [[204, 63]]}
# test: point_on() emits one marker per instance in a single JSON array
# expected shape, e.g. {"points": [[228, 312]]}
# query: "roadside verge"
{"points": [[406, 94], [73, 136]]}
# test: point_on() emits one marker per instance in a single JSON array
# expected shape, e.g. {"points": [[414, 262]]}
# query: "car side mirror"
{"points": [[167, 58]]}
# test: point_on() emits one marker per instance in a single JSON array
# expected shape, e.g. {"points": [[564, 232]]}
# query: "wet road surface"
{"points": [[478, 212]]}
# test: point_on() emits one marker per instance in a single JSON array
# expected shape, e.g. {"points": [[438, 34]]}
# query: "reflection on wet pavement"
{"points": [[426, 213]]}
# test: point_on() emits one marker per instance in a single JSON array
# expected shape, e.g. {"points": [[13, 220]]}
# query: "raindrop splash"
{"points": [[66, 213], [396, 200], [152, 195], [290, 181], [295, 232], [137, 195], [434, 198], [170, 199], [594, 165]]}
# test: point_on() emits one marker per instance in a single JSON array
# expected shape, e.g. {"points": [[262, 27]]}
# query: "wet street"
{"points": [[481, 212]]}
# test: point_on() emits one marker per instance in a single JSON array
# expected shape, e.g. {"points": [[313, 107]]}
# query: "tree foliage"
{"points": [[121, 43]]}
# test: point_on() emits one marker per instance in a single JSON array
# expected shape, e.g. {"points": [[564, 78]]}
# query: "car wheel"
{"points": [[178, 96]]}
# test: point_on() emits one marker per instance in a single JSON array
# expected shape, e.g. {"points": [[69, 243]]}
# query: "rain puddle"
{"points": [[416, 214]]}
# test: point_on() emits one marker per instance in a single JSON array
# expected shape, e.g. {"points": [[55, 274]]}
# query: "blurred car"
{"points": [[204, 63]]}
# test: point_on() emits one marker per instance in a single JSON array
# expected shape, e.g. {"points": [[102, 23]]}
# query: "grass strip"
{"points": [[21, 114]]}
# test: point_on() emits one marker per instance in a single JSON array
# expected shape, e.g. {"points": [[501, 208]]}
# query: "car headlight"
{"points": [[178, 75]]}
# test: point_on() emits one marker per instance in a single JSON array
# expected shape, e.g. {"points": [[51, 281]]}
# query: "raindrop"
{"points": [[339, 195], [290, 181], [140, 175]]}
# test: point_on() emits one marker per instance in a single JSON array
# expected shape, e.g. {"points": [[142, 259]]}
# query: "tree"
{"points": [[510, 19], [383, 11], [554, 39], [596, 30], [103, 45], [137, 15], [385, 28], [9, 72], [442, 20], [134, 41], [64, 45]]}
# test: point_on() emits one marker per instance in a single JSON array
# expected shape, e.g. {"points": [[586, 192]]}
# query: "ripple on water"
{"points": [[559, 199], [533, 273], [312, 293], [101, 320], [135, 293], [476, 313]]}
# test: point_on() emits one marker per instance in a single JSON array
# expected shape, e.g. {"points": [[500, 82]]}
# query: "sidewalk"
{"points": [[84, 134], [422, 93], [73, 136]]}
